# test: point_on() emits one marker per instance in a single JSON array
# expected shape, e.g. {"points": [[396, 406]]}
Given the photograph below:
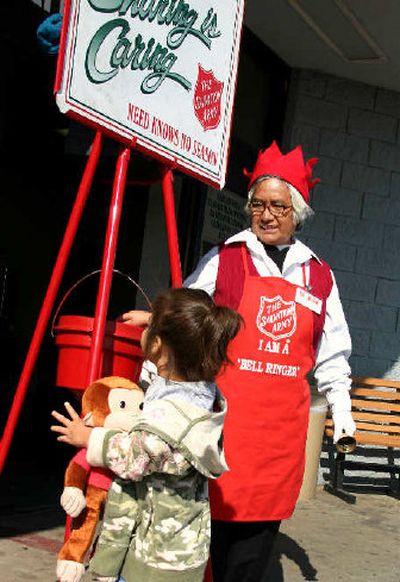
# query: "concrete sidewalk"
{"points": [[326, 540], [329, 540]]}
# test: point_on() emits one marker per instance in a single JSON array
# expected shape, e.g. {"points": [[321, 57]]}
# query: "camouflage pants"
{"points": [[119, 523], [155, 529]]}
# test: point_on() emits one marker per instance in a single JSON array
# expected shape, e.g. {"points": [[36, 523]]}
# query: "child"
{"points": [[163, 463]]}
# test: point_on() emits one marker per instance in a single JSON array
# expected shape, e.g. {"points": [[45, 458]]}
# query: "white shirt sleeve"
{"points": [[205, 275], [332, 370]]}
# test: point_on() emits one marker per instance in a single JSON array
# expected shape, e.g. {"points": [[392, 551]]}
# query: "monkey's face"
{"points": [[112, 402], [125, 406]]}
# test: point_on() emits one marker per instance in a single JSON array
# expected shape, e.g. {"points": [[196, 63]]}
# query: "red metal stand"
{"points": [[110, 249], [103, 294], [170, 217]]}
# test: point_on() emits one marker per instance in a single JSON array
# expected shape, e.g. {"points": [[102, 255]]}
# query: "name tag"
{"points": [[308, 300]]}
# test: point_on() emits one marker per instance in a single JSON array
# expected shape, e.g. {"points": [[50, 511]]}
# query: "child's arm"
{"points": [[135, 455], [73, 430], [130, 456], [136, 317]]}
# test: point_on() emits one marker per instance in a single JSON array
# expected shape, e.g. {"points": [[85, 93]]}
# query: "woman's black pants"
{"points": [[241, 551]]}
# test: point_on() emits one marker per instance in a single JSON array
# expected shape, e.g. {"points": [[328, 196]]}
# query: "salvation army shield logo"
{"points": [[207, 99], [276, 318]]}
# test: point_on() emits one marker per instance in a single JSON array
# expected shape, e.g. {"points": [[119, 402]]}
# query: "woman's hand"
{"points": [[73, 430], [136, 317], [343, 424]]}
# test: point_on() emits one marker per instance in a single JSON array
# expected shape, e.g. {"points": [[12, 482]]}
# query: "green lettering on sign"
{"points": [[142, 55]]}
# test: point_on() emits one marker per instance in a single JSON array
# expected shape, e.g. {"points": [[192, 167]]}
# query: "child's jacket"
{"points": [[164, 462]]}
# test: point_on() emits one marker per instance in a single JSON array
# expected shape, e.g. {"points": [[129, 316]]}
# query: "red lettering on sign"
{"points": [[138, 116]]}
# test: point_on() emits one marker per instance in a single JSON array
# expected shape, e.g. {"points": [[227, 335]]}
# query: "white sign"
{"points": [[157, 74]]}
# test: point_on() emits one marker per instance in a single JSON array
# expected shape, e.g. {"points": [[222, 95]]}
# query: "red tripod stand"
{"points": [[103, 294]]}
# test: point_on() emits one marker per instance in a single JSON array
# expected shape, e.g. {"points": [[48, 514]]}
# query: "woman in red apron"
{"points": [[287, 298]]}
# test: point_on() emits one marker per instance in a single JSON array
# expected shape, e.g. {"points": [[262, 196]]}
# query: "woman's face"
{"points": [[270, 229]]}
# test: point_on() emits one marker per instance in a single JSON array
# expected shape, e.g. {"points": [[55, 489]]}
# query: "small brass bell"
{"points": [[346, 444]]}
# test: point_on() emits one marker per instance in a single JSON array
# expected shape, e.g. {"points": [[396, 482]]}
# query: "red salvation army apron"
{"points": [[268, 402]]}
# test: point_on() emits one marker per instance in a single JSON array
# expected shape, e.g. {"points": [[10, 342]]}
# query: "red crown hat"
{"points": [[289, 167]]}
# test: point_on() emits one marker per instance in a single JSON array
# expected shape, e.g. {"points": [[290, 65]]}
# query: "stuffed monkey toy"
{"points": [[112, 402]]}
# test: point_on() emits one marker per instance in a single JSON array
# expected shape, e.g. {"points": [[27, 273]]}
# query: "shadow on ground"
{"points": [[290, 549]]}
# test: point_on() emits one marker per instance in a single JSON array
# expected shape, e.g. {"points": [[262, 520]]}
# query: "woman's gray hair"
{"points": [[301, 210]]}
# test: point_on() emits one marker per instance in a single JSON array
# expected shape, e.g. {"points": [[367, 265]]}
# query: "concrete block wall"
{"points": [[354, 129]]}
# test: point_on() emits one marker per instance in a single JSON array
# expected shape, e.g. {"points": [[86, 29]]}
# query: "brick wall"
{"points": [[354, 130]]}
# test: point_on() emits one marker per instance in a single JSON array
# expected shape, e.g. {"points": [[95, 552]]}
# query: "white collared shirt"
{"points": [[332, 370]]}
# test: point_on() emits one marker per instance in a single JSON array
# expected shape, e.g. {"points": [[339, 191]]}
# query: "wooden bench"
{"points": [[376, 412]]}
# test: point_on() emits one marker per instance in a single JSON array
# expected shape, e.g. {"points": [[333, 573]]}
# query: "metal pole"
{"points": [[48, 303], [110, 248], [172, 233]]}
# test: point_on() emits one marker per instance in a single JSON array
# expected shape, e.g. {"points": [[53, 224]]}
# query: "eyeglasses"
{"points": [[275, 208]]}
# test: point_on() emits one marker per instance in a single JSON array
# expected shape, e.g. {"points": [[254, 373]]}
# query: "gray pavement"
{"points": [[325, 540]]}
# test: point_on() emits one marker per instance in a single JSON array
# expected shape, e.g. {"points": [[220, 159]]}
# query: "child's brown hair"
{"points": [[196, 331]]}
